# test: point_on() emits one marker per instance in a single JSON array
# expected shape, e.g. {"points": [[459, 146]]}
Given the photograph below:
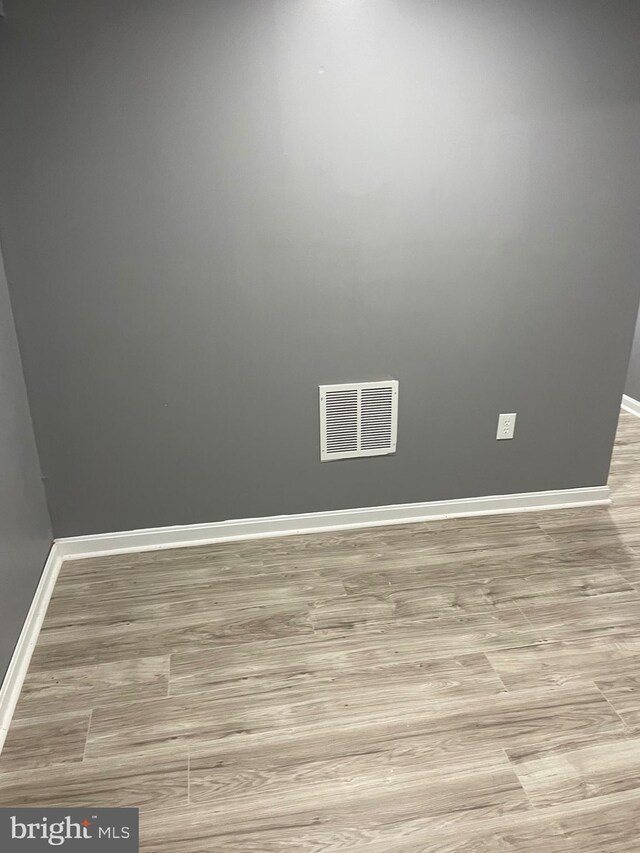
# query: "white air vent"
{"points": [[358, 420]]}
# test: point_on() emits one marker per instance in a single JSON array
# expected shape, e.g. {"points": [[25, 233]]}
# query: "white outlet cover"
{"points": [[506, 426]]}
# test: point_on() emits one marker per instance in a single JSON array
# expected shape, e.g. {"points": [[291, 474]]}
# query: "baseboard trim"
{"points": [[150, 539], [19, 664], [630, 405], [182, 536]]}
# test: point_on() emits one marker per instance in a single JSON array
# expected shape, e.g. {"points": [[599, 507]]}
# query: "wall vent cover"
{"points": [[358, 419]]}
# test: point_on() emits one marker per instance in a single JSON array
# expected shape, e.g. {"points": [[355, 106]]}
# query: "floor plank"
{"points": [[350, 660], [589, 657], [548, 719], [392, 786], [119, 640], [121, 783], [623, 693], [580, 774], [611, 826], [80, 688], [45, 742], [190, 831]]}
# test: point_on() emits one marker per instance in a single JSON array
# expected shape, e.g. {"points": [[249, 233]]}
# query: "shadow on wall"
{"points": [[632, 388], [25, 531]]}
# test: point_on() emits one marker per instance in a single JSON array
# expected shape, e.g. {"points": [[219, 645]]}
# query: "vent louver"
{"points": [[358, 419]]}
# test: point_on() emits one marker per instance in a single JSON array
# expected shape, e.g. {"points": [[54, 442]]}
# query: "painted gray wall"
{"points": [[25, 531], [210, 208], [632, 387]]}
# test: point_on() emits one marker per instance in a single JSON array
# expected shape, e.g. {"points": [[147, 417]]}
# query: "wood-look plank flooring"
{"points": [[463, 685]]}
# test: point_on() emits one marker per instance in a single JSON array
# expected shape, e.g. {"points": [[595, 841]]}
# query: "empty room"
{"points": [[320, 426]]}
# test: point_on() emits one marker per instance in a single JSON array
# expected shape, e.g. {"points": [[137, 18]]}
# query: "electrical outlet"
{"points": [[506, 426]]}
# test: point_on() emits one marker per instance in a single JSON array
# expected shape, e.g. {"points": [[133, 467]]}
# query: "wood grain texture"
{"points": [[623, 694], [461, 686], [45, 742], [122, 783], [584, 658], [358, 659], [356, 719], [79, 688], [391, 786], [610, 825], [490, 594], [580, 774], [515, 832], [117, 639]]}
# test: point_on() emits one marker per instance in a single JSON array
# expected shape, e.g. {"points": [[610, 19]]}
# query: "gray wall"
{"points": [[209, 208], [632, 387], [25, 534]]}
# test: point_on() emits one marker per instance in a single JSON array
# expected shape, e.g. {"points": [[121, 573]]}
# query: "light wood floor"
{"points": [[468, 685]]}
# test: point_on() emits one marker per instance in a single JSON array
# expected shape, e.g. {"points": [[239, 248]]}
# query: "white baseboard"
{"points": [[19, 664], [130, 541], [77, 547], [630, 405]]}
